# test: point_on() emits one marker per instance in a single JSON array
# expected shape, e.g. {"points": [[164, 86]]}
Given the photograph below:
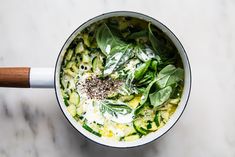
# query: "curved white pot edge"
{"points": [[152, 136], [41, 78]]}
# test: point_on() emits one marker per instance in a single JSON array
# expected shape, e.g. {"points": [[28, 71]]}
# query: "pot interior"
{"points": [[152, 136]]}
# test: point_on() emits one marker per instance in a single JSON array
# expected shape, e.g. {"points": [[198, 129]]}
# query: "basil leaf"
{"points": [[119, 55], [146, 93], [116, 51], [166, 70], [166, 77], [129, 85], [148, 77], [159, 97], [162, 46], [141, 70], [144, 54], [106, 40], [114, 108], [169, 76], [153, 65], [175, 77], [140, 34], [154, 41]]}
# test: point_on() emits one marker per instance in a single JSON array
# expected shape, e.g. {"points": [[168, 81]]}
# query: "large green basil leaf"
{"points": [[159, 97], [119, 55], [140, 34], [166, 70], [161, 45], [116, 51], [106, 40], [153, 65], [169, 76], [144, 54], [154, 41], [147, 79], [114, 108], [146, 93], [141, 70]]}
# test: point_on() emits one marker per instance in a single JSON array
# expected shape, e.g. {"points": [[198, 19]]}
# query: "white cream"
{"points": [[109, 70], [92, 112], [108, 49], [122, 119]]}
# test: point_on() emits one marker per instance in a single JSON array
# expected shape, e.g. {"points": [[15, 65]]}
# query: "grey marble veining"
{"points": [[32, 33]]}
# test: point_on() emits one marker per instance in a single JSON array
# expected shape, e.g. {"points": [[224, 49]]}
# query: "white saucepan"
{"points": [[50, 78]]}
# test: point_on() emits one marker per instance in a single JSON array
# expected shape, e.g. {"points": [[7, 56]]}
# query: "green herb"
{"points": [[140, 34], [146, 93], [141, 70], [129, 88], [154, 41], [105, 39], [144, 54], [147, 79], [119, 55], [153, 65], [159, 97], [116, 51], [169, 76], [114, 108]]}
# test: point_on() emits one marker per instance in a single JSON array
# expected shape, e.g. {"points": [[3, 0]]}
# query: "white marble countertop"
{"points": [[32, 33]]}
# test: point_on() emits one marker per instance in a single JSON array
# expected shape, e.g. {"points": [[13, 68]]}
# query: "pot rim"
{"points": [[152, 136]]}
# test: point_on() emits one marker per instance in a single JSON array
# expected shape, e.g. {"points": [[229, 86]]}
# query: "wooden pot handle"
{"points": [[15, 77]]}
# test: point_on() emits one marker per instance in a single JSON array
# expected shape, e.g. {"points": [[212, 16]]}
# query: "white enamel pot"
{"points": [[49, 78]]}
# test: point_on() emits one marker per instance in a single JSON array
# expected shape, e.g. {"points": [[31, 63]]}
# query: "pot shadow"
{"points": [[85, 147], [69, 140], [50, 123]]}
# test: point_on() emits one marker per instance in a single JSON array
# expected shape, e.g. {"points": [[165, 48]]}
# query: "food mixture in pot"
{"points": [[121, 78]]}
